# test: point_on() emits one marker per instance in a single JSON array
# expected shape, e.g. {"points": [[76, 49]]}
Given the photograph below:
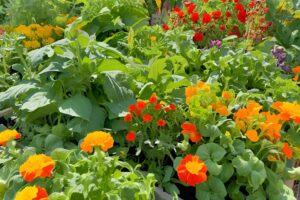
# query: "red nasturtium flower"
{"points": [[37, 166], [8, 135], [287, 150], [157, 106], [198, 37], [206, 18], [205, 1], [140, 105], [217, 14], [191, 8], [153, 99], [147, 118], [228, 14], [195, 17], [165, 27], [130, 136], [161, 123], [191, 130], [99, 139], [32, 193], [242, 15], [191, 170], [172, 106], [131, 108], [128, 117]]}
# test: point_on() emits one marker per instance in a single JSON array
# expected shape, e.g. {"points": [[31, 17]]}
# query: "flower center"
{"points": [[194, 167]]}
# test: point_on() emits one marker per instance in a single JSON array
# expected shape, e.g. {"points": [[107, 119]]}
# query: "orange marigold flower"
{"points": [[161, 123], [226, 95], [32, 193], [153, 99], [287, 150], [128, 117], [252, 135], [147, 118], [97, 139], [191, 130], [130, 136], [191, 170], [140, 105], [37, 166], [8, 135]]}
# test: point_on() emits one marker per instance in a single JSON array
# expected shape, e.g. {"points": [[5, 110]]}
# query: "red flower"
{"points": [[222, 27], [205, 1], [251, 4], [131, 108], [157, 107], [165, 27], [224, 1], [287, 150], [140, 105], [172, 106], [195, 17], [128, 117], [181, 14], [239, 7], [242, 15], [191, 170], [130, 136], [198, 37], [153, 99], [147, 118], [206, 18], [191, 130], [191, 8], [217, 14], [228, 14], [266, 10], [176, 9], [161, 123], [167, 108]]}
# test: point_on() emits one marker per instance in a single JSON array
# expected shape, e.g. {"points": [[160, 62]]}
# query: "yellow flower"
{"points": [[8, 135], [97, 139], [47, 41], [32, 193], [153, 38], [34, 44], [37, 166]]}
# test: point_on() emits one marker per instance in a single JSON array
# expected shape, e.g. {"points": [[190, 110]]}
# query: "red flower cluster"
{"points": [[229, 19], [147, 112]]}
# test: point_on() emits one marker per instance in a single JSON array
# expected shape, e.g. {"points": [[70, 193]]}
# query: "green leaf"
{"points": [[176, 162], [58, 196], [211, 151], [227, 172], [14, 91], [37, 56], [37, 100], [213, 167], [157, 69], [110, 65], [52, 142], [60, 154], [212, 189], [76, 106]]}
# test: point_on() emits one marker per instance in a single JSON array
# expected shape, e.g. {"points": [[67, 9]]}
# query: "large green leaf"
{"points": [[76, 106], [211, 151], [212, 189], [37, 100], [157, 69]]}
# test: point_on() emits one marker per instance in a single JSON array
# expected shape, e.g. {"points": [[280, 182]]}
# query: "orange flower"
{"points": [[32, 193], [191, 170], [189, 92], [37, 166], [8, 135], [226, 95], [296, 70], [203, 86], [147, 118], [221, 109], [191, 130], [271, 127], [153, 38], [287, 110], [97, 139], [252, 135], [130, 136], [287, 150]]}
